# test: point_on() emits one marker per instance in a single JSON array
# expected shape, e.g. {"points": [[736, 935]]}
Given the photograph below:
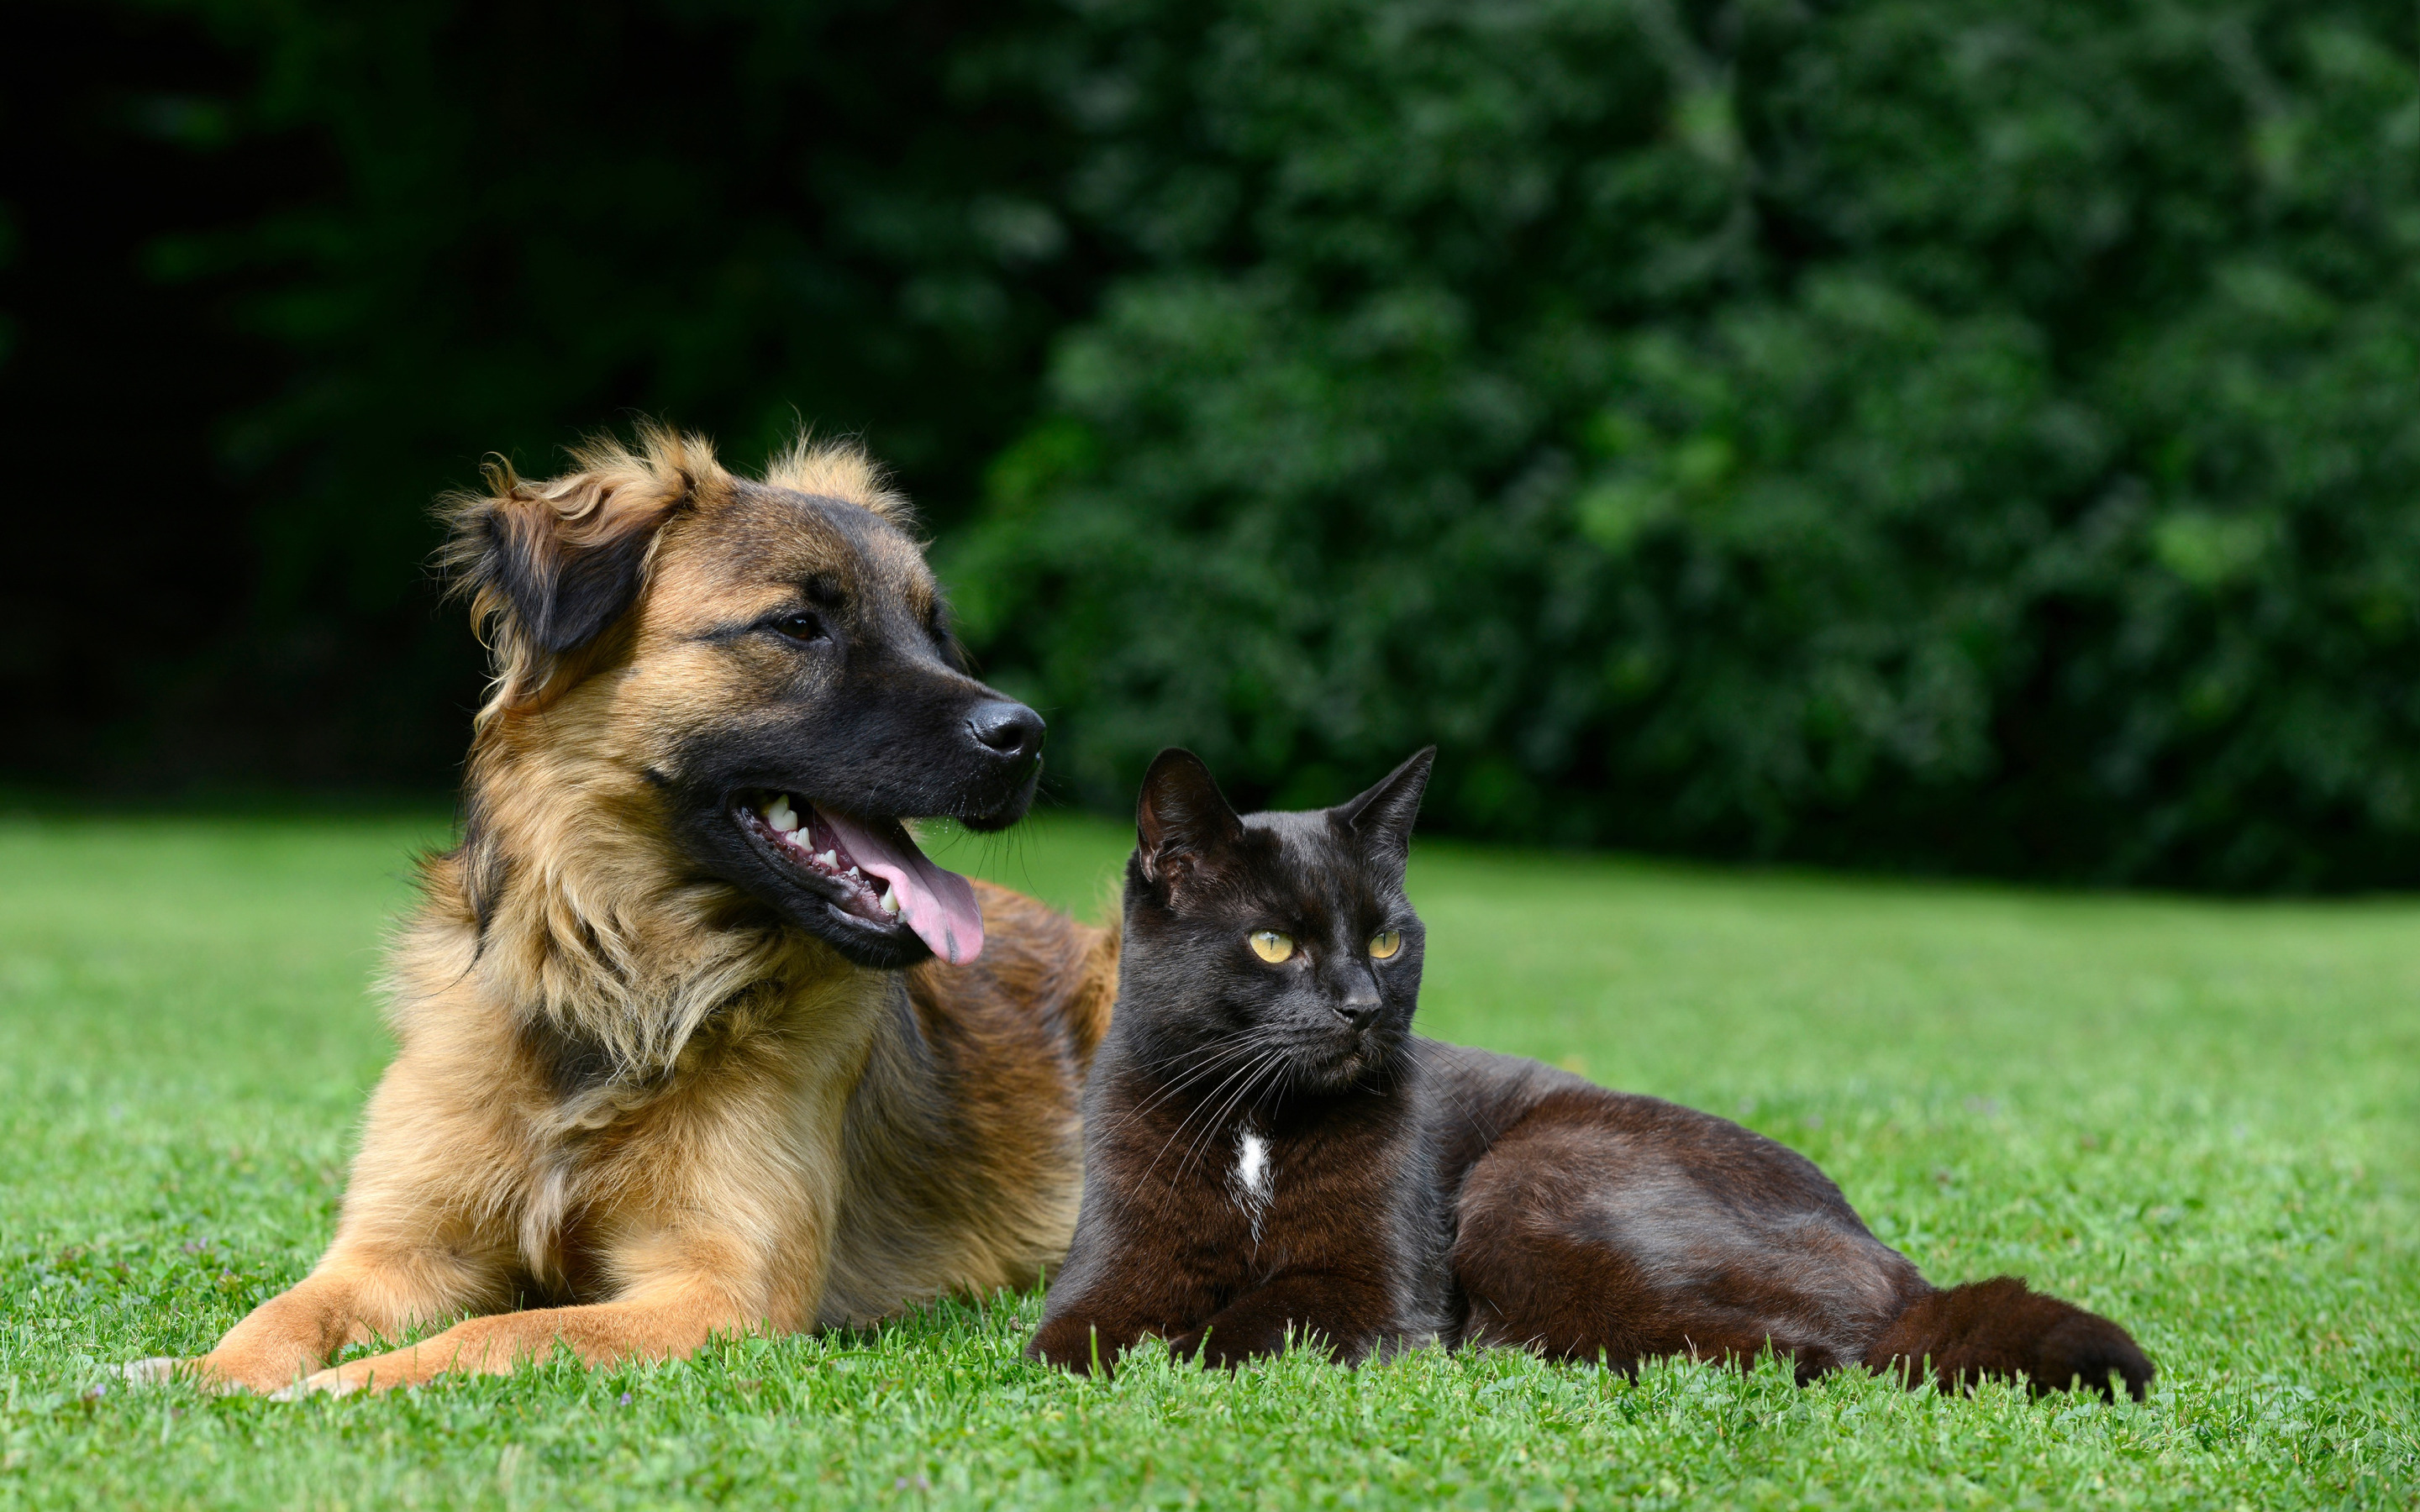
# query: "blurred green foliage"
{"points": [[1928, 433], [305, 263], [1976, 433]]}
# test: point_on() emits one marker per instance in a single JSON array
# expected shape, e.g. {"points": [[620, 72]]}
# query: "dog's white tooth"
{"points": [[784, 818], [890, 902], [830, 859]]}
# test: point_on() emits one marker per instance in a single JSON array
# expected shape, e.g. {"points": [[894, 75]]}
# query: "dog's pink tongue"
{"points": [[939, 905]]}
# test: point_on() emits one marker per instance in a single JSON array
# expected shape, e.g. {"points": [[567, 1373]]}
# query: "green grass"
{"points": [[2203, 1118]]}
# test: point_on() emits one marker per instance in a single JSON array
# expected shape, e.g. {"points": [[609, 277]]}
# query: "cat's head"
{"points": [[1275, 950]]}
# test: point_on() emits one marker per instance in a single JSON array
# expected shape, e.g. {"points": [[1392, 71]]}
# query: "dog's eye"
{"points": [[1383, 944], [800, 627], [1272, 947]]}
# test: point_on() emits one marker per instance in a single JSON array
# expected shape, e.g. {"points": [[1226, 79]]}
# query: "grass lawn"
{"points": [[2200, 1117]]}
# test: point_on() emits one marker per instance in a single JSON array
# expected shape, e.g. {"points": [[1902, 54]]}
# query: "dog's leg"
{"points": [[684, 1282], [409, 1249], [356, 1293], [729, 1228], [664, 1322]]}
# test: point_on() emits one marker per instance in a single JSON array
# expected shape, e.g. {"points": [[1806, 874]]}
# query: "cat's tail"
{"points": [[1996, 1329]]}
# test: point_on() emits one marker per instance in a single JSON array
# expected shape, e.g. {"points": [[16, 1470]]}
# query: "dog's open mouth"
{"points": [[870, 871]]}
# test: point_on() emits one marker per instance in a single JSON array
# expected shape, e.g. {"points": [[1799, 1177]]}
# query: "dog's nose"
{"points": [[1011, 730]]}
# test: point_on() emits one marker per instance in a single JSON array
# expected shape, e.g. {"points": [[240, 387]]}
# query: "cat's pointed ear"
{"points": [[1382, 817], [1182, 820]]}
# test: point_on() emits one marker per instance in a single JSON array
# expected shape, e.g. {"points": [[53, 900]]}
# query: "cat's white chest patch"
{"points": [[1254, 1180]]}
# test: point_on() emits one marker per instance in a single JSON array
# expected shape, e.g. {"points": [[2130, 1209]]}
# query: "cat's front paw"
{"points": [[1073, 1344], [1226, 1347]]}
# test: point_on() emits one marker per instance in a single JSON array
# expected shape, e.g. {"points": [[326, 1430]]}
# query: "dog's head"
{"points": [[764, 670]]}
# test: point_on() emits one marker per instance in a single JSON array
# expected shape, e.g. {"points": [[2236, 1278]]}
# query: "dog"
{"points": [[692, 1039]]}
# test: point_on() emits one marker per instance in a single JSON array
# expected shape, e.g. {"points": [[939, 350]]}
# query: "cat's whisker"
{"points": [[1246, 1036], [1205, 1060], [1276, 1057], [1169, 1191], [1202, 1141], [1242, 1067]]}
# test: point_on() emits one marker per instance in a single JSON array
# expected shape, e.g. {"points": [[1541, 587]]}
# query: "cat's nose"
{"points": [[1361, 1008]]}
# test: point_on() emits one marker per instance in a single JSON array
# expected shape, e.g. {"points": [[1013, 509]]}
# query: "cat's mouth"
{"points": [[1331, 1064], [1345, 1068]]}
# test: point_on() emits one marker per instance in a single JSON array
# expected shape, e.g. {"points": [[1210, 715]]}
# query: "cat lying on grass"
{"points": [[1269, 1152]]}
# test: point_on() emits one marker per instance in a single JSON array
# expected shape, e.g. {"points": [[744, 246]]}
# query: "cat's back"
{"points": [[1474, 1097], [1470, 1098]]}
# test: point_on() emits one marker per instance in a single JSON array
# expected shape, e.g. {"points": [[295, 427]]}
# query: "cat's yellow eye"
{"points": [[1272, 947], [1383, 944]]}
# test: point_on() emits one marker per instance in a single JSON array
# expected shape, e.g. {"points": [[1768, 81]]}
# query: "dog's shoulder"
{"points": [[1039, 970]]}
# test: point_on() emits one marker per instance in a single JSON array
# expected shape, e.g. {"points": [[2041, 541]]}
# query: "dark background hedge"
{"points": [[1944, 433]]}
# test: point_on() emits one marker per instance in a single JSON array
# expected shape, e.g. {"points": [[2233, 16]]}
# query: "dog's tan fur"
{"points": [[753, 1132]]}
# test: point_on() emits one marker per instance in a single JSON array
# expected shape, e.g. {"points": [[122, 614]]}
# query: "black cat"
{"points": [[1270, 1150]]}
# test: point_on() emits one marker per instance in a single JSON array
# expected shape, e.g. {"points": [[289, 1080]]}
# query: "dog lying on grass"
{"points": [[691, 1037]]}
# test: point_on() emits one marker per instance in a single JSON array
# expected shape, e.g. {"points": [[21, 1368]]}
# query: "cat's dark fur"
{"points": [[1270, 1152]]}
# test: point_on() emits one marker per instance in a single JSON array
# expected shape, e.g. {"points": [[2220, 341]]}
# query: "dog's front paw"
{"points": [[337, 1381], [153, 1371], [206, 1371]]}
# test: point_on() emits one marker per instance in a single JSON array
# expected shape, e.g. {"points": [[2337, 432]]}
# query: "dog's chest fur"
{"points": [[917, 1130]]}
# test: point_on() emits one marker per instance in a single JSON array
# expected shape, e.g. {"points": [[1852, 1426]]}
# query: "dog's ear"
{"points": [[1183, 823], [550, 566], [1381, 819]]}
